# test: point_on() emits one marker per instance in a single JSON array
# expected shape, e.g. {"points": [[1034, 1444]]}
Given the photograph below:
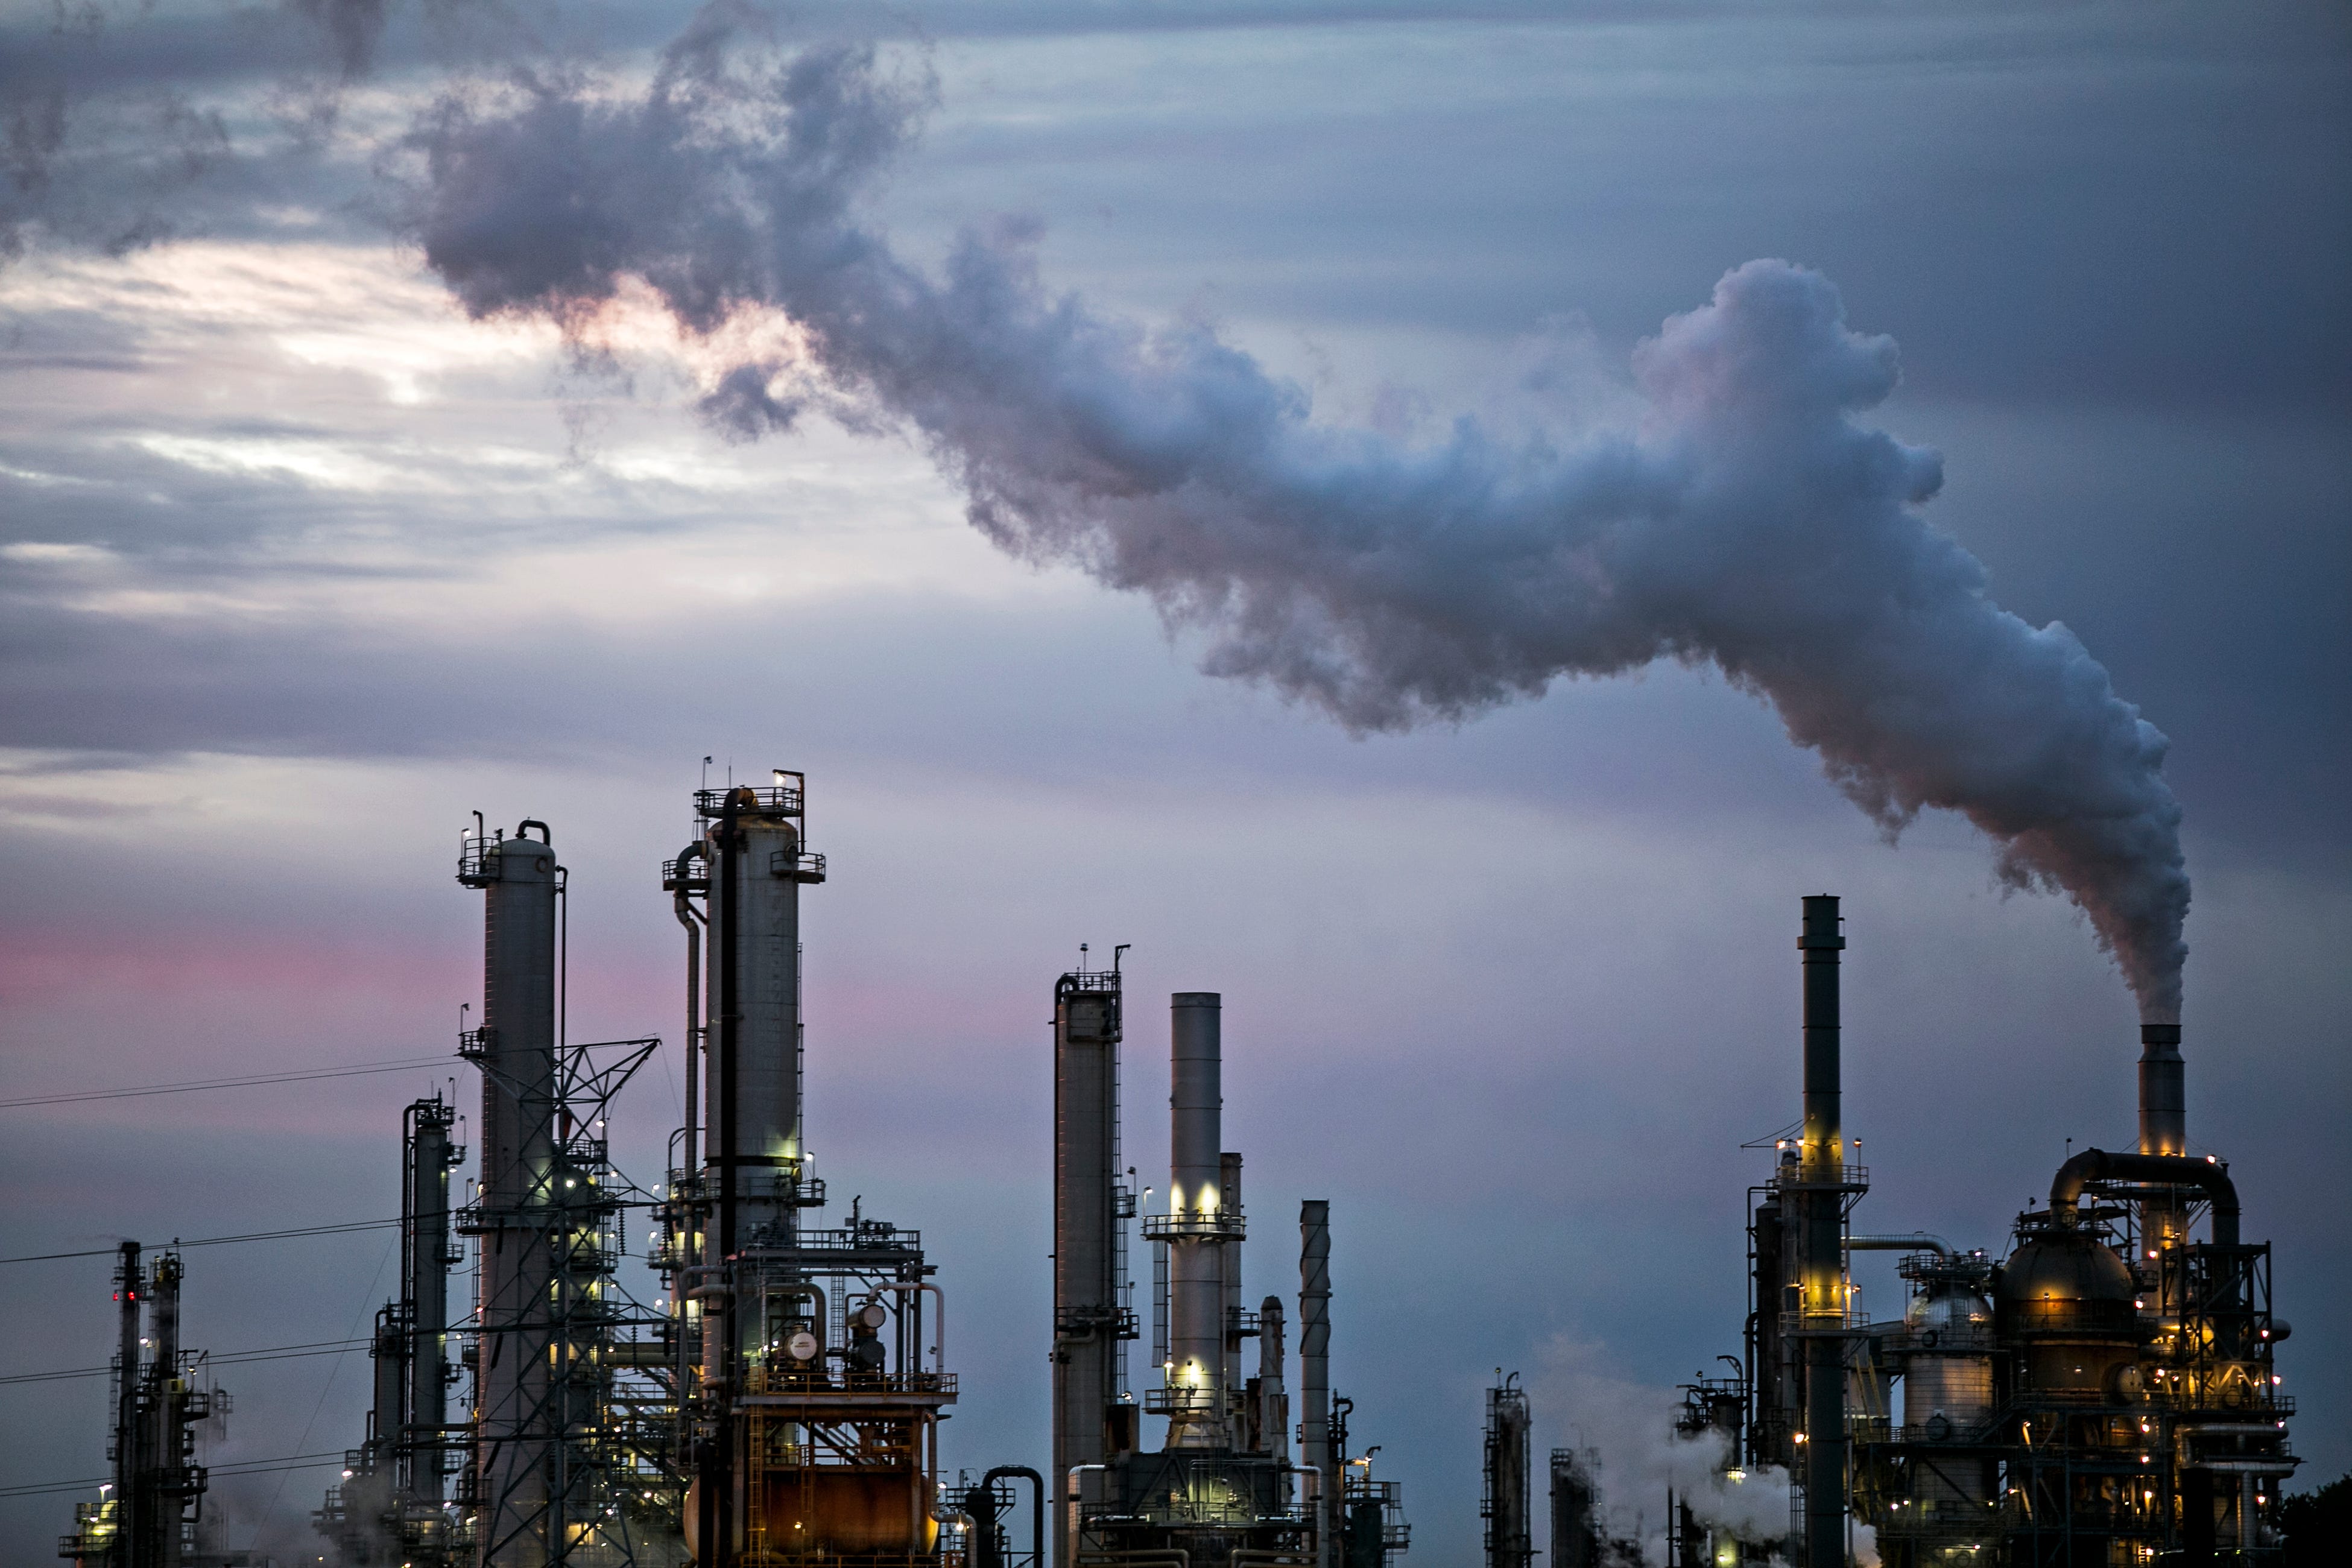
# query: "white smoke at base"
{"points": [[1585, 1399], [1744, 521]]}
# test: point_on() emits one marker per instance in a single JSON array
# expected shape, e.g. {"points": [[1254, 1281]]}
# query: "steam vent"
{"points": [[2099, 1389]]}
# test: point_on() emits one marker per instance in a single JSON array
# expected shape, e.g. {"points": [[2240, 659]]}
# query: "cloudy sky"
{"points": [[326, 517]]}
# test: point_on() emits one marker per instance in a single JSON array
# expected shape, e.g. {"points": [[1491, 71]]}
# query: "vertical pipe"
{"points": [[1821, 1175], [1196, 1286], [1315, 1371], [1085, 1284], [516, 1437], [1229, 1311], [715, 1493]]}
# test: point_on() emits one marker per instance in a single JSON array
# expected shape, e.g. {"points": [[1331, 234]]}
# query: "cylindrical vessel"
{"points": [[753, 1077], [1315, 1372], [2163, 1130], [427, 1282], [1273, 1403], [514, 1439], [1822, 1174], [1196, 1249]]}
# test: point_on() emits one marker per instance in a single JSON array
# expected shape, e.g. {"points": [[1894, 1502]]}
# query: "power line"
{"points": [[245, 1080], [240, 1468], [215, 1240], [231, 1358]]}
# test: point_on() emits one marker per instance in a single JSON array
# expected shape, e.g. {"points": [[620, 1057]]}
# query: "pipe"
{"points": [[1036, 1506], [684, 907], [715, 1472], [1072, 1532], [1314, 1368], [1821, 1201], [2170, 1170], [1908, 1241]]}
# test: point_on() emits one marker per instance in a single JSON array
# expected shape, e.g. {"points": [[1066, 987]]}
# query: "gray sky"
{"points": [[301, 566]]}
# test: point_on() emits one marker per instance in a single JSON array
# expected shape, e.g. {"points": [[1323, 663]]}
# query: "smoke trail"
{"points": [[1749, 523]]}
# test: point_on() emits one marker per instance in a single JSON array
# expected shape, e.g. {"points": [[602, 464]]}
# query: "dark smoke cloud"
{"points": [[1747, 522]]}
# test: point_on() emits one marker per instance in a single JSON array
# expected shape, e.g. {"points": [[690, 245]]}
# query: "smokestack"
{"points": [[1315, 1372], [2163, 1091], [1822, 1182], [1086, 1319], [1198, 1225]]}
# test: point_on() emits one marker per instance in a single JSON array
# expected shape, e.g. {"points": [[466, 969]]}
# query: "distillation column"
{"points": [[1821, 1182], [1198, 1227], [1087, 1295], [752, 1183], [425, 1287], [517, 1431]]}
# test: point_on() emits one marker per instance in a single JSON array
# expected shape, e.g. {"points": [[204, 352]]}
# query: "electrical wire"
{"points": [[215, 1240], [239, 1467], [232, 1358], [243, 1080]]}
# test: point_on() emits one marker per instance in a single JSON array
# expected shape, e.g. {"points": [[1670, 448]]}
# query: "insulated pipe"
{"points": [[1315, 1370], [684, 907], [1036, 1506], [1820, 1176], [716, 1491], [1073, 1530], [2171, 1170], [1912, 1241], [1196, 1244]]}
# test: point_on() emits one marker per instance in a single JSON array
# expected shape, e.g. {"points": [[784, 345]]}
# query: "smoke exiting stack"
{"points": [[1315, 1372], [2163, 1091], [1822, 1183]]}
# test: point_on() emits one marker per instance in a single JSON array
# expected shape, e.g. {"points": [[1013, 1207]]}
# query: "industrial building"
{"points": [[2102, 1393]]}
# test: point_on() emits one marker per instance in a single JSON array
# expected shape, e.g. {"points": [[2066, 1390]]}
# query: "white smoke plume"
{"points": [[1586, 1400], [1745, 521]]}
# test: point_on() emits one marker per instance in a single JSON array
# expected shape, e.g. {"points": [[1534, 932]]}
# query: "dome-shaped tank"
{"points": [[1949, 1312], [2064, 1279], [2070, 1297]]}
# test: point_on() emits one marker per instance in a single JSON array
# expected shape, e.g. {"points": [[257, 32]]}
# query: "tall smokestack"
{"points": [[2163, 1091], [1086, 1304], [1198, 1225], [1315, 1372], [1821, 1182]]}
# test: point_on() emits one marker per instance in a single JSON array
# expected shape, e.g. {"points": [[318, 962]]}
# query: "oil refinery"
{"points": [[2100, 1389]]}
